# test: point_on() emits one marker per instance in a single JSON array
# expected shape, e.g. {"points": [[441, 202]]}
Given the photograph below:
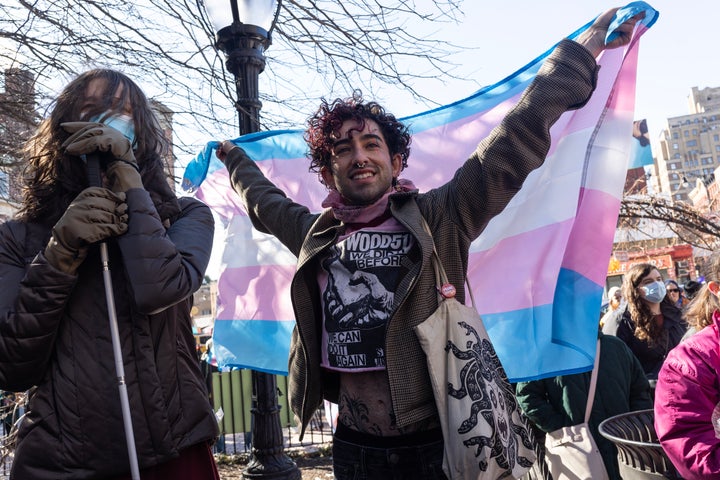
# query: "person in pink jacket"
{"points": [[687, 396]]}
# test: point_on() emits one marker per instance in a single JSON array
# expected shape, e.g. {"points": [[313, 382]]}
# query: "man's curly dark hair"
{"points": [[324, 129]]}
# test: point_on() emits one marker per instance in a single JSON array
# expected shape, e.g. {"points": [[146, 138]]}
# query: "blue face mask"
{"points": [[120, 122], [654, 292]]}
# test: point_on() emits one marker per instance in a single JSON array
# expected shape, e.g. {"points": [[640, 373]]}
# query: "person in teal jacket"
{"points": [[622, 387]]}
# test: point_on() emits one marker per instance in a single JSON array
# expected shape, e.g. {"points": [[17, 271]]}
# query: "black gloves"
{"points": [[94, 215], [91, 137]]}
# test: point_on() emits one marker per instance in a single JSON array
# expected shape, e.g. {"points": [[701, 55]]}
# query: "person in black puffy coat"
{"points": [[54, 330]]}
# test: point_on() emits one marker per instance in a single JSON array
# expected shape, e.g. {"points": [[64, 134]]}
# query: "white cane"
{"points": [[95, 179]]}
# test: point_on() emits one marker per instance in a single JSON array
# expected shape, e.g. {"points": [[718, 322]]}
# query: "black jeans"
{"points": [[356, 458]]}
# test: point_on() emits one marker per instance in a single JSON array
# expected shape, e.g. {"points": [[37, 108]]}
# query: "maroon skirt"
{"points": [[194, 463]]}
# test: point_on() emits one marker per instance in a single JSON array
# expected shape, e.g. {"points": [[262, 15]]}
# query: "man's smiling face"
{"points": [[362, 169]]}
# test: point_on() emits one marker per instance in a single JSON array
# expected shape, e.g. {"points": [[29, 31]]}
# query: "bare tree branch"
{"points": [[687, 223], [168, 47]]}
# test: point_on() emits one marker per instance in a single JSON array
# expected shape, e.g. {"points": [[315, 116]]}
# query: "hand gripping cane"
{"points": [[95, 180]]}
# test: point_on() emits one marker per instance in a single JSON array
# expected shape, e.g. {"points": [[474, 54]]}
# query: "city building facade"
{"points": [[689, 147], [685, 162]]}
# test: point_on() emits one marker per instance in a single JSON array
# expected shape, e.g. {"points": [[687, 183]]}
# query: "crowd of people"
{"points": [[73, 223], [665, 357]]}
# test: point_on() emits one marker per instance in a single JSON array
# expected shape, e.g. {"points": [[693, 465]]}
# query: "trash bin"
{"points": [[640, 456]]}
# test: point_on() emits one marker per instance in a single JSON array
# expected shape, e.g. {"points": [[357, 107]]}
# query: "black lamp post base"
{"points": [[277, 468], [268, 460]]}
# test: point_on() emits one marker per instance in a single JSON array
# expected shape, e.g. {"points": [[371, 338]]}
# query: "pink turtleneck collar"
{"points": [[364, 213]]}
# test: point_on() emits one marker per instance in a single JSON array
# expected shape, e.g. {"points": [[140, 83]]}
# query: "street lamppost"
{"points": [[243, 42]]}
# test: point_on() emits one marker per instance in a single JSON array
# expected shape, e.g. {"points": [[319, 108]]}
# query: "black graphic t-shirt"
{"points": [[359, 279]]}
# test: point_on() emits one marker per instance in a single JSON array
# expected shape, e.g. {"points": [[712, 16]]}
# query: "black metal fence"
{"points": [[232, 396]]}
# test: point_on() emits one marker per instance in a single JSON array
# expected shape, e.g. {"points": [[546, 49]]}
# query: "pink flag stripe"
{"points": [[592, 236], [534, 282], [250, 297]]}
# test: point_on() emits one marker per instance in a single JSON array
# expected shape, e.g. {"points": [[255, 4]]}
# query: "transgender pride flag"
{"points": [[537, 272]]}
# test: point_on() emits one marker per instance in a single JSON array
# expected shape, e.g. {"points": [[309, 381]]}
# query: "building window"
{"points": [[676, 146], [691, 143], [694, 132], [716, 138], [674, 176], [673, 166], [686, 133], [676, 135], [707, 160]]}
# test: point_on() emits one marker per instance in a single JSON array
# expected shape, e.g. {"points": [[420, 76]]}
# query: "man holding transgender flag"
{"points": [[364, 276]]}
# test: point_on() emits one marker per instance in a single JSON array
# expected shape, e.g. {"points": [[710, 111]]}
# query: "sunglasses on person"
{"points": [[673, 290]]}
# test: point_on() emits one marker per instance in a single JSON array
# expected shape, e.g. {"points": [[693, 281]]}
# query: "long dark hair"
{"points": [[699, 312], [52, 178]]}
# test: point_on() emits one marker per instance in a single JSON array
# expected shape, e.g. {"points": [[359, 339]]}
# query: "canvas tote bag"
{"points": [[571, 452], [486, 436]]}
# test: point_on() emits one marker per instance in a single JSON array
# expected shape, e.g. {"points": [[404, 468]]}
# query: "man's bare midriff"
{"points": [[365, 406]]}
